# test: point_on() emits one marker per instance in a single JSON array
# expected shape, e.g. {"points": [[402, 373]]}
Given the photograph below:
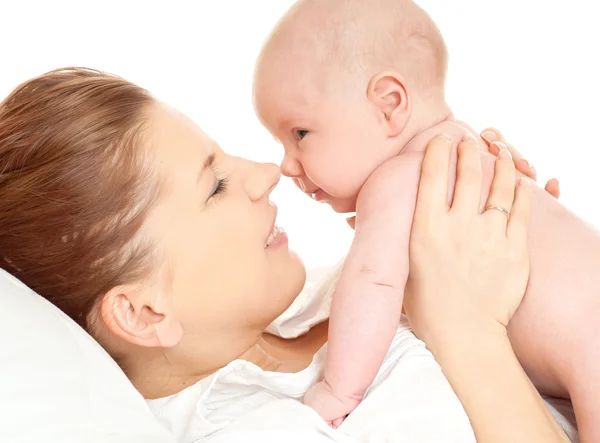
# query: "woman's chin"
{"points": [[291, 278], [298, 273]]}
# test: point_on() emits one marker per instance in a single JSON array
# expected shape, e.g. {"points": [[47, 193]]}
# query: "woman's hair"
{"points": [[75, 187]]}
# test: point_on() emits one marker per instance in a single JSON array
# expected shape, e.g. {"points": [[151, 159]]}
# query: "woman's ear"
{"points": [[131, 313], [388, 92]]}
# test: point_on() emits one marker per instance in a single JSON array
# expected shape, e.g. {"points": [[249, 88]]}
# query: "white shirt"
{"points": [[410, 400]]}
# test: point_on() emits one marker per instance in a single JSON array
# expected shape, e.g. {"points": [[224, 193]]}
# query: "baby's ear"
{"points": [[388, 92]]}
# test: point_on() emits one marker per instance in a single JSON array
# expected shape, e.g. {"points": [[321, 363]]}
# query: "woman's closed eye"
{"points": [[300, 134], [219, 188]]}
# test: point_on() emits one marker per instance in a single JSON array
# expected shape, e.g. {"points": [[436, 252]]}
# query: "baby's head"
{"points": [[344, 85]]}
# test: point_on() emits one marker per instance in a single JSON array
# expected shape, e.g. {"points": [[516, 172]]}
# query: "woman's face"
{"points": [[212, 225]]}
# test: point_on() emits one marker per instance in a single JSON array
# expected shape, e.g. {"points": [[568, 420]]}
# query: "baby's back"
{"points": [[555, 332], [556, 323]]}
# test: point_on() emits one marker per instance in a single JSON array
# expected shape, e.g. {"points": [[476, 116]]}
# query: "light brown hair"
{"points": [[74, 186]]}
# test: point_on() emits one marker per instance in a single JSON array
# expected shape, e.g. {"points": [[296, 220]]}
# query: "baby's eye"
{"points": [[300, 133]]}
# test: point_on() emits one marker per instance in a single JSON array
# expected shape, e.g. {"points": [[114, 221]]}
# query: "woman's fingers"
{"points": [[502, 193], [526, 169], [467, 191], [495, 147], [433, 188], [521, 164], [553, 188], [518, 223], [495, 141], [491, 135]]}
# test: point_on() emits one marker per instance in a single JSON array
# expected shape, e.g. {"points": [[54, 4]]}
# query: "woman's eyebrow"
{"points": [[207, 164]]}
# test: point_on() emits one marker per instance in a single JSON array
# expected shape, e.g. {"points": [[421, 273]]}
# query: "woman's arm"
{"points": [[500, 400], [468, 274]]}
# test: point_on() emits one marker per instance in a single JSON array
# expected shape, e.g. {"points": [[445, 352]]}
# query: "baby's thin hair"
{"points": [[359, 37]]}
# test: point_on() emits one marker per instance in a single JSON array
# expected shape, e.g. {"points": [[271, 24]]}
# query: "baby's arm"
{"points": [[367, 301]]}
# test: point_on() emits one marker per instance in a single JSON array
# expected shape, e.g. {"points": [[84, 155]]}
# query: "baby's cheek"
{"points": [[342, 182], [337, 171]]}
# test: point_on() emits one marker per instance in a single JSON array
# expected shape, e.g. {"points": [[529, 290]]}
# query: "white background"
{"points": [[529, 68]]}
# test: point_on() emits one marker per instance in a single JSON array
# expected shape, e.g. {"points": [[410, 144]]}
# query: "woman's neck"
{"points": [[281, 355], [161, 377]]}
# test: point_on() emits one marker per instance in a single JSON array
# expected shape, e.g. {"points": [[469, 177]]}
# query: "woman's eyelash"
{"points": [[221, 187]]}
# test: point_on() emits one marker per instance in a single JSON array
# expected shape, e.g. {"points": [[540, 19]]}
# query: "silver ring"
{"points": [[498, 208]]}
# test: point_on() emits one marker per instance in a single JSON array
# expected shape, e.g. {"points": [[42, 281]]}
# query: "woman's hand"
{"points": [[495, 140], [468, 271], [468, 274]]}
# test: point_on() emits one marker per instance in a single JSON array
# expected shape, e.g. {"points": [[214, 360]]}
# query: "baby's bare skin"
{"points": [[555, 332]]}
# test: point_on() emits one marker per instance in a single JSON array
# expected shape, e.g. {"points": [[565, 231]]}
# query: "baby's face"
{"points": [[331, 139]]}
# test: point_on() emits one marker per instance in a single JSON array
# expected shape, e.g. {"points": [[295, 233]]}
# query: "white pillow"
{"points": [[57, 384]]}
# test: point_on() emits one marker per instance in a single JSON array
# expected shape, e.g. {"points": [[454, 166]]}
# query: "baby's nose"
{"points": [[291, 167]]}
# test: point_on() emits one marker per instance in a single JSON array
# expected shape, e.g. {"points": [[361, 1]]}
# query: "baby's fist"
{"points": [[332, 409]]}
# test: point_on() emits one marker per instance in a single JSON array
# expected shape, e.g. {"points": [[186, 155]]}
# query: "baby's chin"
{"points": [[342, 206], [338, 204]]}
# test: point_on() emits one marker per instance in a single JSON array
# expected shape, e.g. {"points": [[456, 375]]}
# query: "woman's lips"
{"points": [[278, 237]]}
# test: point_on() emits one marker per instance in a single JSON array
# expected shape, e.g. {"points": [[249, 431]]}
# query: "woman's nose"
{"points": [[261, 180], [290, 167]]}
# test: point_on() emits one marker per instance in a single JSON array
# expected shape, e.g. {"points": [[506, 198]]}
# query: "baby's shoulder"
{"points": [[402, 172], [398, 173], [392, 187]]}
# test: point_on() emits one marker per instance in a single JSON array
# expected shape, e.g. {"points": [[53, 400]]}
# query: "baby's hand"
{"points": [[332, 409]]}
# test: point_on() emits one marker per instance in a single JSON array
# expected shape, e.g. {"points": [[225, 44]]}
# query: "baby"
{"points": [[354, 90]]}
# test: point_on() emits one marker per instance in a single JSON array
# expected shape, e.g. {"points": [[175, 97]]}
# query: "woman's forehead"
{"points": [[173, 132]]}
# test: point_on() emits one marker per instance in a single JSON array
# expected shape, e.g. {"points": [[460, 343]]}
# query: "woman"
{"points": [[130, 219]]}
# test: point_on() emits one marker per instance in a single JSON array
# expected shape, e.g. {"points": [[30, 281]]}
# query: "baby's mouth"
{"points": [[320, 196]]}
